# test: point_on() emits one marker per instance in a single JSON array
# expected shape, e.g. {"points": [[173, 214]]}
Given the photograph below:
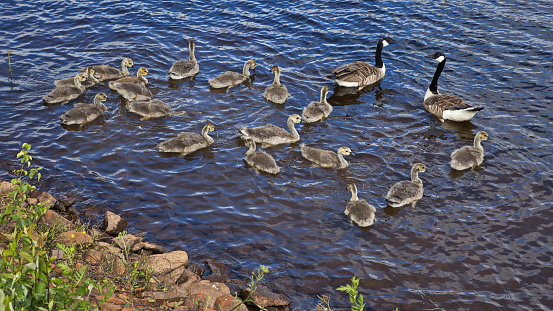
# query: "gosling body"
{"points": [[407, 191], [260, 160], [63, 94], [185, 68], [358, 210], [90, 79], [317, 111], [469, 156], [83, 114], [360, 74], [446, 106], [187, 142], [150, 109], [140, 73], [276, 92], [270, 135], [326, 158], [230, 78]]}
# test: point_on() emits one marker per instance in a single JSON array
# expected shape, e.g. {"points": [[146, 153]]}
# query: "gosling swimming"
{"points": [[119, 83], [63, 94], [260, 160], [231, 78], [358, 210], [469, 156], [187, 142], [185, 68], [90, 81], [446, 106], [317, 111], [326, 158], [151, 109], [270, 135], [83, 114], [407, 191], [276, 92], [105, 72], [360, 74]]}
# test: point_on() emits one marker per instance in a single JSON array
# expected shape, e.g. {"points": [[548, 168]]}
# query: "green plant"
{"points": [[323, 304], [355, 298], [256, 277]]}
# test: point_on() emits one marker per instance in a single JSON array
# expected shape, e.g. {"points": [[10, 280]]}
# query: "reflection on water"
{"points": [[478, 240]]}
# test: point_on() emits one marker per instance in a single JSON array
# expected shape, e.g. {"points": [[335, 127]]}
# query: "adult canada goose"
{"points": [[270, 135], [187, 142], [116, 84], [185, 68], [85, 113], [469, 156], [317, 111], [260, 160], [64, 94], [446, 106], [358, 210], [90, 81], [360, 74], [231, 78], [151, 109], [326, 158], [407, 191], [276, 92], [105, 72]]}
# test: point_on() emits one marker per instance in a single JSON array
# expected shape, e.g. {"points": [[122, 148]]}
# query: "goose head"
{"points": [[251, 64], [385, 41], [295, 118], [419, 167], [127, 62], [275, 69], [101, 97], [438, 56], [209, 128], [352, 188], [249, 143], [482, 135]]}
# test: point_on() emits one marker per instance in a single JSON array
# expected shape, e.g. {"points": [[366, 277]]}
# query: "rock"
{"points": [[161, 296], [228, 302], [127, 242], [213, 290], [36, 197], [156, 249], [73, 237], [171, 265], [187, 279], [219, 271], [54, 219], [113, 224], [94, 256], [263, 297]]}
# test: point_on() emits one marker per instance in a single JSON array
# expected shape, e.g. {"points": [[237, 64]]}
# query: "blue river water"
{"points": [[478, 240]]}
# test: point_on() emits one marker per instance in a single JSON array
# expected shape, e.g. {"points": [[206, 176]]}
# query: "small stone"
{"points": [[213, 290], [54, 219], [94, 256], [113, 224], [229, 302], [263, 297], [127, 241]]}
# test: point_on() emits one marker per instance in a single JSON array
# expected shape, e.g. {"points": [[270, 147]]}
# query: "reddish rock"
{"points": [[229, 302], [54, 219], [263, 297], [213, 290], [73, 237]]}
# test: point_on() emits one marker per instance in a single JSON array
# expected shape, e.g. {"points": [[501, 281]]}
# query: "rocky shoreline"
{"points": [[174, 283]]}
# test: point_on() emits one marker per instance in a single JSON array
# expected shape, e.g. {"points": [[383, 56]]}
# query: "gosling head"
{"points": [[482, 135], [250, 143], [275, 69], [419, 167], [127, 62], [101, 96], [352, 187], [438, 56], [251, 63], [81, 76], [344, 150], [209, 127], [295, 118], [142, 71]]}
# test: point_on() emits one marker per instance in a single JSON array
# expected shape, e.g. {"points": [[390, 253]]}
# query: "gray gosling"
{"points": [[123, 82], [83, 113], [276, 92], [446, 106], [63, 94], [91, 79], [187, 142], [151, 109], [317, 111], [360, 74], [105, 72], [260, 160], [358, 210], [231, 78], [326, 158], [185, 68], [469, 156], [270, 135], [407, 191]]}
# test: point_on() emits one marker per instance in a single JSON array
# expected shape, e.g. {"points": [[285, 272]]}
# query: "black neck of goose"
{"points": [[378, 55], [434, 84]]}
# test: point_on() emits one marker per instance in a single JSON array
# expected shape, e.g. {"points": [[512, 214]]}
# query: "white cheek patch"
{"points": [[440, 59], [385, 43]]}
